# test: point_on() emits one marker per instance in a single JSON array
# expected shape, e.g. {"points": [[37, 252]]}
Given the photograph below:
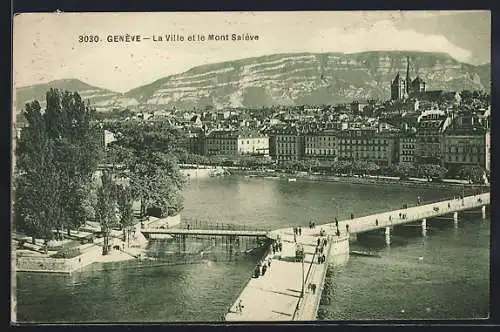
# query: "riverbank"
{"points": [[370, 179], [32, 258]]}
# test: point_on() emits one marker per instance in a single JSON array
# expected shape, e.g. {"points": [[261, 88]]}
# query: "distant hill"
{"points": [[283, 79], [102, 99]]}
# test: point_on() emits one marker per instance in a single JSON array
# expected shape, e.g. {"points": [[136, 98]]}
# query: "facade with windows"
{"points": [[257, 145], [466, 142], [233, 142], [430, 128], [368, 145], [288, 144], [321, 145], [407, 145]]}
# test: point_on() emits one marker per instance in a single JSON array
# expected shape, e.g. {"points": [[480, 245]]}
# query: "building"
{"points": [[367, 145], [287, 144], [407, 146], [222, 143], [196, 141], [236, 142], [430, 127], [106, 137], [321, 145], [253, 144], [466, 142], [404, 88]]}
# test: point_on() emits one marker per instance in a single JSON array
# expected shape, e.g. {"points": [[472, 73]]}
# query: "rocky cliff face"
{"points": [[283, 79], [289, 79]]}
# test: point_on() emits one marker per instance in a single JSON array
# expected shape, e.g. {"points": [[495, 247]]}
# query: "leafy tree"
{"points": [[125, 210], [404, 170], [106, 209], [342, 167], [69, 124], [431, 171], [37, 185], [148, 152], [56, 157], [473, 174]]}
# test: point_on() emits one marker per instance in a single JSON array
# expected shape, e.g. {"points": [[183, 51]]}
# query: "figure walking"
{"points": [[240, 307]]}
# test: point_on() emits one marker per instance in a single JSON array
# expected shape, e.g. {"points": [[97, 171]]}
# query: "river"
{"points": [[442, 276]]}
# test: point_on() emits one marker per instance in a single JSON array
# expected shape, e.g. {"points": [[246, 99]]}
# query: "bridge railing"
{"points": [[244, 285], [208, 225], [386, 209], [323, 277]]}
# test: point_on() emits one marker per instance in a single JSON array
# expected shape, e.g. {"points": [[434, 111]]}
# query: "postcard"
{"points": [[251, 166]]}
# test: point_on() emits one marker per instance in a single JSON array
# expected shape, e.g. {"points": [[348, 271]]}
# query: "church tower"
{"points": [[398, 88], [408, 79]]}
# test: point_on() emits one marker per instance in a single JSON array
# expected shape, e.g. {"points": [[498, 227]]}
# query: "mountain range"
{"points": [[280, 79]]}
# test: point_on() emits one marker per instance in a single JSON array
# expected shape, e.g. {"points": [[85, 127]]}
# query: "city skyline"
{"points": [[123, 66]]}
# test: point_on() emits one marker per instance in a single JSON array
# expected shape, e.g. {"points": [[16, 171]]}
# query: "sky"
{"points": [[46, 46]]}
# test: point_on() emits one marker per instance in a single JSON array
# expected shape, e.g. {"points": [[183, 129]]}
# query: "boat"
{"points": [[365, 253], [292, 179]]}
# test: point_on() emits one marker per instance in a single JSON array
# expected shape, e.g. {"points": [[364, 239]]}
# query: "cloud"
{"points": [[384, 36]]}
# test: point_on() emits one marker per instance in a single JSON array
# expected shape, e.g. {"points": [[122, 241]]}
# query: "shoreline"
{"points": [[371, 179]]}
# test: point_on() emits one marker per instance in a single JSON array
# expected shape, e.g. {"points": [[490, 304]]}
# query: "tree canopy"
{"points": [[56, 156]]}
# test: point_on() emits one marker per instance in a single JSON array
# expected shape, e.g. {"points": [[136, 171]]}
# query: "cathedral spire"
{"points": [[408, 79]]}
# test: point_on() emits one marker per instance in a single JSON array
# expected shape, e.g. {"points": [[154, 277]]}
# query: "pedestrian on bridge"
{"points": [[336, 223], [376, 222], [325, 241], [240, 307], [347, 226], [319, 241], [352, 216], [338, 232], [313, 288], [189, 226], [300, 230]]}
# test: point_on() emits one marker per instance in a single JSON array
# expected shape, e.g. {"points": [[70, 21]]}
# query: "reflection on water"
{"points": [[444, 275]]}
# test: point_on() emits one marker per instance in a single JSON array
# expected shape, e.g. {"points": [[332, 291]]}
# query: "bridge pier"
{"points": [[424, 227], [455, 219], [339, 250], [388, 236], [483, 211]]}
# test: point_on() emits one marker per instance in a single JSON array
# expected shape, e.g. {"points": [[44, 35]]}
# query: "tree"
{"points": [[149, 155], [106, 208], [431, 171], [125, 210], [37, 185], [342, 167], [472, 173], [69, 124], [404, 170], [56, 157]]}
